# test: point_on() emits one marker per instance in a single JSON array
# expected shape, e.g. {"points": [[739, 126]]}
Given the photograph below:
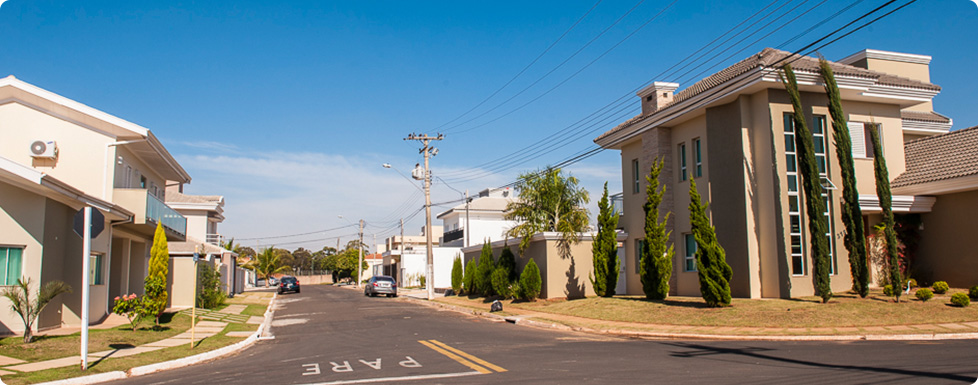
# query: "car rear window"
{"points": [[385, 279], [288, 280]]}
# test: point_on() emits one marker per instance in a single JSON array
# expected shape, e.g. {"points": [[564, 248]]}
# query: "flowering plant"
{"points": [[129, 306]]}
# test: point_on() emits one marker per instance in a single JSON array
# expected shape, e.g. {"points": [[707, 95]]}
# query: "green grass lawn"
{"points": [[844, 310]]}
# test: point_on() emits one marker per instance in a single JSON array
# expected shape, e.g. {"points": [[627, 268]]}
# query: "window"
{"points": [[636, 173], [639, 245], [690, 250], [142, 181], [10, 263], [682, 162], [698, 155], [862, 142], [795, 216], [95, 269]]}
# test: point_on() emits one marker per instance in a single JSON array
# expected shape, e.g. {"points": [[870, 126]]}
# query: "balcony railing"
{"points": [[452, 235], [157, 210], [214, 239]]}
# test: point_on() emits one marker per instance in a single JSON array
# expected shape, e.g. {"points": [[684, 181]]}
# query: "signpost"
{"points": [[88, 223], [193, 306]]}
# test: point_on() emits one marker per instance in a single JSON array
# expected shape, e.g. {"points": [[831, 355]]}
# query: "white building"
{"points": [[483, 218]]}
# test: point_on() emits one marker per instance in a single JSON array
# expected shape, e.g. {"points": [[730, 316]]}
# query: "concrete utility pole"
{"points": [[428, 152], [467, 200], [397, 274], [360, 259]]}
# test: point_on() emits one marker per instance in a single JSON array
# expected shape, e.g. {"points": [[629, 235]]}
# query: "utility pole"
{"points": [[467, 200], [397, 273], [360, 259], [428, 152]]}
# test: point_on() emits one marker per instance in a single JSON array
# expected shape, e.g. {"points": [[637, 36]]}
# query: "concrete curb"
{"points": [[174, 364], [697, 336]]}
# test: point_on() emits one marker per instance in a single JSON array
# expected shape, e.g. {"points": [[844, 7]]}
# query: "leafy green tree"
{"points": [[548, 201], [711, 259], [483, 274], [889, 227], [812, 183], [302, 260], [266, 263], [604, 249], [530, 281], [457, 275], [154, 301], [655, 268], [210, 295], [28, 309], [852, 215], [468, 277]]}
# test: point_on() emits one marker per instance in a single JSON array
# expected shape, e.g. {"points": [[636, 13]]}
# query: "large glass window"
{"points": [[795, 214], [95, 269], [690, 251], [11, 260]]}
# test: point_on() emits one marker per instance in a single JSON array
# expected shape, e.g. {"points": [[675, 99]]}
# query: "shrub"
{"points": [[530, 281], [129, 306], [457, 275], [924, 294], [468, 278], [960, 299], [973, 292], [500, 282], [483, 273], [940, 287], [507, 260], [210, 294], [888, 290]]}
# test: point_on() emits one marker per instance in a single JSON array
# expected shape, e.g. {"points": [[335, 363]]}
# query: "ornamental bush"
{"points": [[500, 282], [924, 294], [960, 299], [973, 292], [888, 290], [940, 287], [129, 306], [457, 275], [530, 282], [468, 278], [210, 295]]}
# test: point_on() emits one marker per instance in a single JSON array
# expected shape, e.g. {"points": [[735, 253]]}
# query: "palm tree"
{"points": [[265, 264], [548, 201], [20, 301]]}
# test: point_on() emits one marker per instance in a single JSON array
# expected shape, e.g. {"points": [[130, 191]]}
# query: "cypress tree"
{"points": [[852, 215], [711, 259], [507, 260], [457, 275], [889, 230], [604, 249], [483, 273], [468, 277], [530, 281], [655, 266], [154, 300], [812, 184]]}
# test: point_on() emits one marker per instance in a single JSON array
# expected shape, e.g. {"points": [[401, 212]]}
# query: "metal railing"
{"points": [[452, 235], [156, 210], [214, 239]]}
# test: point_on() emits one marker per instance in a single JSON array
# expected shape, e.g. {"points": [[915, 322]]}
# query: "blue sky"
{"points": [[288, 109]]}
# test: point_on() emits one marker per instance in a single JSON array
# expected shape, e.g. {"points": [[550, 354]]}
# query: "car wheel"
{"points": [[297, 291], [388, 296], [394, 295]]}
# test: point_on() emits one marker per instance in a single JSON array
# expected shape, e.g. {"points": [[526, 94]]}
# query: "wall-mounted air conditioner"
{"points": [[47, 149]]}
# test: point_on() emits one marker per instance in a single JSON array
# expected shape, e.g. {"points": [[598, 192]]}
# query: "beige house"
{"points": [[203, 213], [732, 132], [56, 157]]}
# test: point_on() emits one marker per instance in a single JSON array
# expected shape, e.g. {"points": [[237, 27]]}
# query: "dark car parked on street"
{"points": [[288, 283], [381, 284]]}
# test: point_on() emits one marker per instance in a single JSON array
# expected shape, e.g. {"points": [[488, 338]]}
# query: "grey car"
{"points": [[381, 284]]}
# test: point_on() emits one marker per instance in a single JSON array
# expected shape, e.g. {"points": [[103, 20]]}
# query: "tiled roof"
{"points": [[177, 197], [924, 116], [940, 157], [766, 59]]}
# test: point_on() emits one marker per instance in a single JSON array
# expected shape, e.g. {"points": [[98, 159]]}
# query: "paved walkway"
{"points": [[212, 323]]}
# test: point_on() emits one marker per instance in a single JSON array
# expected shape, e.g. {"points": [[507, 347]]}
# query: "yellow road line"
{"points": [[455, 357], [469, 356]]}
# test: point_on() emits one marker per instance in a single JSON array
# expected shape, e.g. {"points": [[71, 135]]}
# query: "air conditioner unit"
{"points": [[44, 149]]}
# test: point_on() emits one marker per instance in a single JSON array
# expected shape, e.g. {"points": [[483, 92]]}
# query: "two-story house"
{"points": [[732, 133], [480, 219], [56, 157]]}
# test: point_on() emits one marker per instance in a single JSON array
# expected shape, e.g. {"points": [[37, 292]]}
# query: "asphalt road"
{"points": [[334, 335]]}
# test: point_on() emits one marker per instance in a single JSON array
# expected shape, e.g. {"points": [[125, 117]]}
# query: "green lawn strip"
{"points": [[47, 348], [254, 310], [843, 311], [123, 363]]}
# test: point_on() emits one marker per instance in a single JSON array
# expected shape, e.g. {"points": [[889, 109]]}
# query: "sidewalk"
{"points": [[942, 331], [212, 323]]}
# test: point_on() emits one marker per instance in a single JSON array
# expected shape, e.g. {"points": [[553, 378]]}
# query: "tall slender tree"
{"points": [[604, 249], [852, 215], [655, 266], [154, 301], [457, 274], [483, 273], [711, 259], [812, 183], [889, 227]]}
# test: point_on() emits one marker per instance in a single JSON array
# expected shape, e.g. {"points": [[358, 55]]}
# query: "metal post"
{"points": [[401, 255], [466, 218], [193, 305], [86, 255]]}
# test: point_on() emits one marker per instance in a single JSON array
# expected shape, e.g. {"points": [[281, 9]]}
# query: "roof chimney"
{"points": [[656, 96]]}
